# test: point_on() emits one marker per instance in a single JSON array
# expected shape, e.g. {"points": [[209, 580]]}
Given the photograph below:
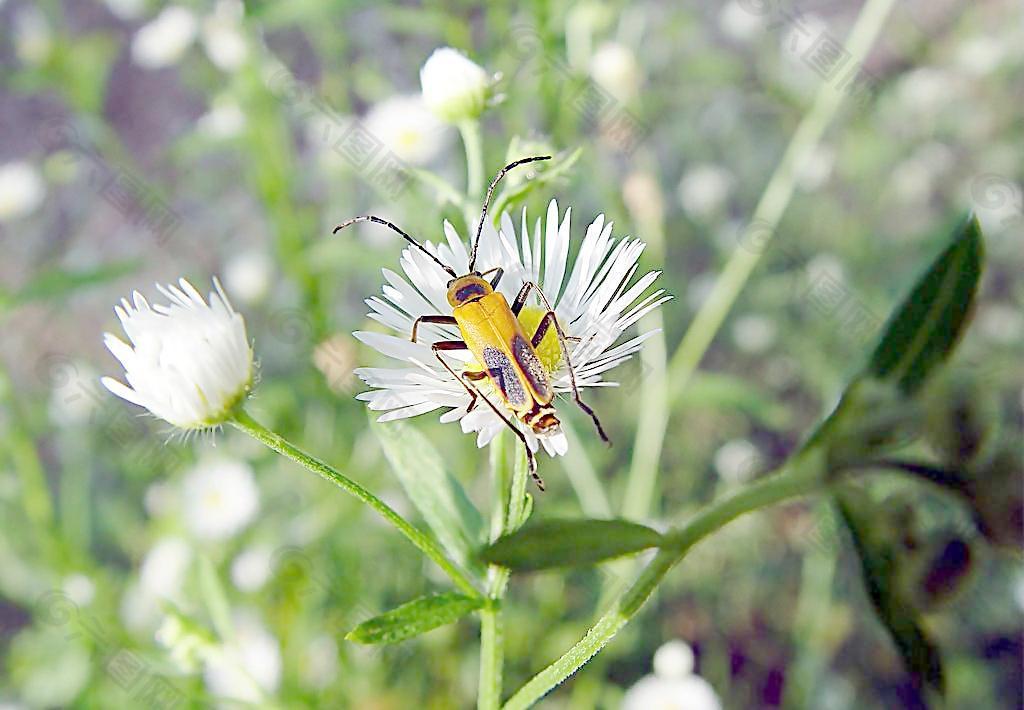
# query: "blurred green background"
{"points": [[140, 142]]}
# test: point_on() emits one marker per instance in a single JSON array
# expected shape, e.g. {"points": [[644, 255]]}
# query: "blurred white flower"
{"points": [[704, 189], [126, 9], [700, 288], [615, 68], [248, 274], [187, 647], [595, 304], [224, 120], [826, 265], [754, 333], [319, 665], [21, 190], [673, 686], [1001, 323], [219, 498], [249, 667], [454, 87], [33, 38], [673, 659], [925, 91], [801, 36], [252, 567], [816, 169], [189, 363], [163, 568], [79, 588], [73, 401], [164, 40], [739, 23], [737, 461], [161, 498], [642, 195], [222, 36], [408, 128], [980, 56]]}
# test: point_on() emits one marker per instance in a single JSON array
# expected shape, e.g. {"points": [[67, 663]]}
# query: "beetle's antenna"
{"points": [[487, 200], [378, 220]]}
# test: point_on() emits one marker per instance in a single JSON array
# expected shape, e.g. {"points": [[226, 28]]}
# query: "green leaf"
{"points": [[546, 174], [438, 496], [215, 599], [925, 328], [878, 563], [563, 543], [414, 618], [56, 283]]}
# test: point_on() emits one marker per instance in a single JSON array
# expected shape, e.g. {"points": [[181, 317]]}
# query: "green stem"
{"points": [[508, 517], [421, 540], [773, 202], [473, 142], [802, 477]]}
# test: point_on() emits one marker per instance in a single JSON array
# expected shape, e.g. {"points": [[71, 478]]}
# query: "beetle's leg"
{"points": [[439, 319], [547, 321], [442, 345], [473, 376], [524, 293], [497, 278]]}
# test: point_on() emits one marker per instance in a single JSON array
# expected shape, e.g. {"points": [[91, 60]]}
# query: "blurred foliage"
{"points": [[773, 606]]}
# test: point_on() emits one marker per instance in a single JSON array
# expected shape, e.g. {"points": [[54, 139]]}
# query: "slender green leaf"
{"points": [[879, 567], [925, 328], [563, 543], [215, 599], [56, 283], [414, 618], [438, 496]]}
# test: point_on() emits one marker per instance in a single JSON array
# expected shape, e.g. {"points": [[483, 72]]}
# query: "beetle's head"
{"points": [[467, 288]]}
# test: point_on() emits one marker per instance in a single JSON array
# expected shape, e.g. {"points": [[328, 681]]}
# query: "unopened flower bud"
{"points": [[454, 87]]}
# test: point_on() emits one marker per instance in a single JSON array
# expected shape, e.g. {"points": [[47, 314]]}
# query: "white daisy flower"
{"points": [[189, 363], [592, 300]]}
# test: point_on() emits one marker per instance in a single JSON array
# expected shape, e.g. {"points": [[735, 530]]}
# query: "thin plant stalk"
{"points": [[511, 512], [773, 203], [425, 543]]}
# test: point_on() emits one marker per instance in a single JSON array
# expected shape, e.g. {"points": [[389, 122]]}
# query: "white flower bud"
{"points": [[454, 87], [189, 363]]}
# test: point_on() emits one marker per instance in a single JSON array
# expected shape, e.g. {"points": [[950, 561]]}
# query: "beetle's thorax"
{"points": [[467, 288]]}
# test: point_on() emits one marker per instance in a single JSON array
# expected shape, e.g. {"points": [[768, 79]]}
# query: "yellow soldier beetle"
{"points": [[492, 332]]}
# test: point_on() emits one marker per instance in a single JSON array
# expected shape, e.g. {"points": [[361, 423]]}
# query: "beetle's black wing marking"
{"points": [[475, 393], [548, 320], [500, 368], [530, 366]]}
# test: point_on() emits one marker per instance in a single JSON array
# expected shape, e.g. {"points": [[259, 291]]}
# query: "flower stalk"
{"points": [[242, 421]]}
